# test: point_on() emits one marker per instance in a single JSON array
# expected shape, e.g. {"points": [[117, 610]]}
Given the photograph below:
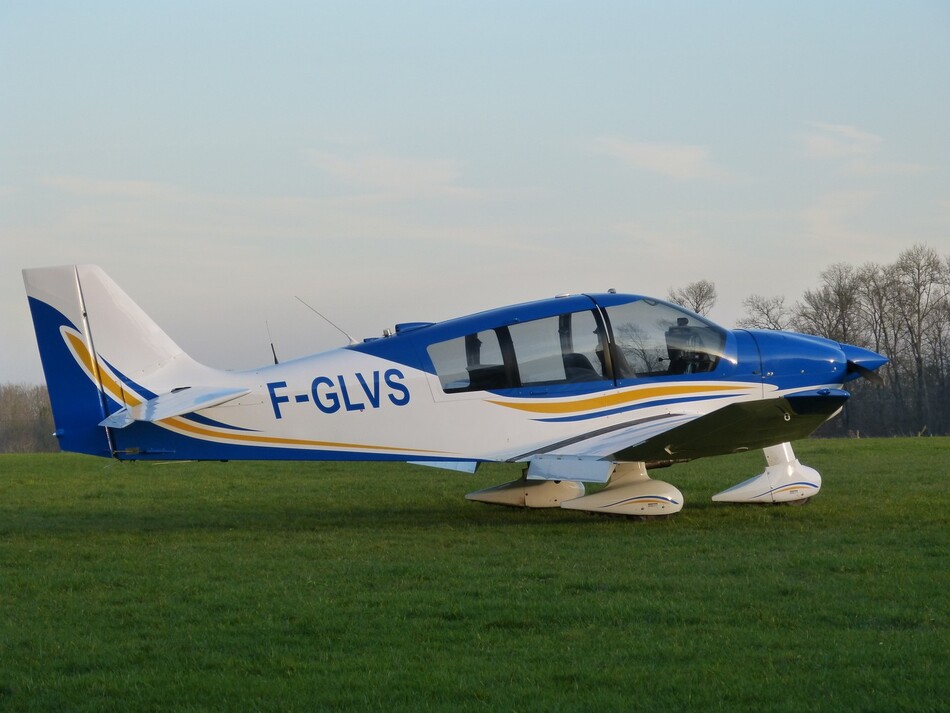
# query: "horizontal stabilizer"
{"points": [[174, 403]]}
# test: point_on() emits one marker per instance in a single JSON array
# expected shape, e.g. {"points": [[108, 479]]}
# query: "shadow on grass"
{"points": [[356, 517], [284, 519], [69, 494]]}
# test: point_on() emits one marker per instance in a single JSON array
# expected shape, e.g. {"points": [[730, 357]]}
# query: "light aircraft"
{"points": [[582, 388]]}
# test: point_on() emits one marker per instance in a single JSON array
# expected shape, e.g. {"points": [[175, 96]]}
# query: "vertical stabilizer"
{"points": [[97, 347]]}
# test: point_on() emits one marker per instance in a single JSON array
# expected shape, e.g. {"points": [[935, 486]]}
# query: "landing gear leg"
{"points": [[785, 480]]}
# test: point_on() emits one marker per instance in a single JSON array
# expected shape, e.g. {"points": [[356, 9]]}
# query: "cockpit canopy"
{"points": [[627, 340]]}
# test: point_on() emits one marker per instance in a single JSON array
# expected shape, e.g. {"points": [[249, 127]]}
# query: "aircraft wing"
{"points": [[684, 436], [740, 426]]}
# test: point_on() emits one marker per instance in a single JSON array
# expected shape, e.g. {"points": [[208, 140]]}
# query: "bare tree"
{"points": [[698, 296], [881, 323], [765, 313], [832, 310], [923, 289]]}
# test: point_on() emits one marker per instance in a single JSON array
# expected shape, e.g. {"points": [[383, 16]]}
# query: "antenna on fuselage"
{"points": [[327, 320], [272, 350]]}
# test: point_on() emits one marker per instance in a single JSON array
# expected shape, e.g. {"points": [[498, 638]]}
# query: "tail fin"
{"points": [[99, 350]]}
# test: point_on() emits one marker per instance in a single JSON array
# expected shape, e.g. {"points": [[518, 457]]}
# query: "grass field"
{"points": [[300, 587]]}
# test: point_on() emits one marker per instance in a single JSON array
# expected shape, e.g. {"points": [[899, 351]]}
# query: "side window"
{"points": [[655, 339], [562, 349], [470, 363], [583, 350], [559, 349], [538, 349]]}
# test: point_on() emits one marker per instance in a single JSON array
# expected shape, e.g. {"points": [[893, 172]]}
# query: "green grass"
{"points": [[254, 586]]}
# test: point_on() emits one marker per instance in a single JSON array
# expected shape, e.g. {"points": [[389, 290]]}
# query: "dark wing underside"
{"points": [[742, 426]]}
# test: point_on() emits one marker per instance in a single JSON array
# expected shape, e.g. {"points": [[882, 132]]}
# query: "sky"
{"points": [[415, 161]]}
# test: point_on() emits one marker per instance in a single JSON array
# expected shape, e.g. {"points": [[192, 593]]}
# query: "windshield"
{"points": [[653, 338]]}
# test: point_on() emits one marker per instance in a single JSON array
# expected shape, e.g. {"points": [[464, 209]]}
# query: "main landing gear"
{"points": [[630, 491]]}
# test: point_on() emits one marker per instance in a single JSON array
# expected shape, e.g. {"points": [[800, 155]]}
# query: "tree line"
{"points": [[26, 419], [901, 310]]}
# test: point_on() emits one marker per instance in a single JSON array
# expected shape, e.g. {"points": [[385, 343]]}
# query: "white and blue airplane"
{"points": [[582, 388]]}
